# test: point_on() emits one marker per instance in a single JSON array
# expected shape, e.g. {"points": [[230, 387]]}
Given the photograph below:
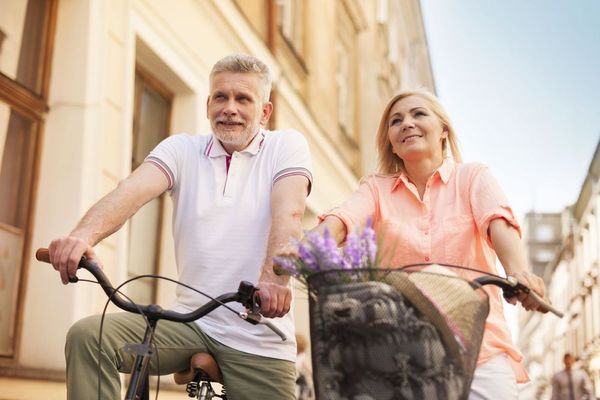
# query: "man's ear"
{"points": [[267, 110], [207, 101]]}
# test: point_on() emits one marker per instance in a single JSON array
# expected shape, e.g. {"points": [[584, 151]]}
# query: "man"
{"points": [[239, 196], [571, 384]]}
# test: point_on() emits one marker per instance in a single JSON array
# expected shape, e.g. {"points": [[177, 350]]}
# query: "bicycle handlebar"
{"points": [[246, 295], [511, 287]]}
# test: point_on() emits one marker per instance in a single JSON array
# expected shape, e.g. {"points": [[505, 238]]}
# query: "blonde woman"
{"points": [[432, 208]]}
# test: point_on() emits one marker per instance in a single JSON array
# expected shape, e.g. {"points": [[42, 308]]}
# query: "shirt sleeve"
{"points": [[293, 157], [167, 157], [488, 202], [358, 208]]}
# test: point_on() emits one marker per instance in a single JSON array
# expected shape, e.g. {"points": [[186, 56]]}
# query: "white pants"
{"points": [[494, 380]]}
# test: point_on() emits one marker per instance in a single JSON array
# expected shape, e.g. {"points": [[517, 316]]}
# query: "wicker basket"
{"points": [[394, 334]]}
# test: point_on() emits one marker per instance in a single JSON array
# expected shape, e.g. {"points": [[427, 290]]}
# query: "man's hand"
{"points": [[275, 299], [65, 254], [533, 282]]}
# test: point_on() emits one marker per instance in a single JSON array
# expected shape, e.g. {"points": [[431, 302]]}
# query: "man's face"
{"points": [[568, 360], [235, 108]]}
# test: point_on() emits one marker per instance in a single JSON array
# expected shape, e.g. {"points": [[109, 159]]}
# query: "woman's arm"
{"points": [[335, 226], [511, 253]]}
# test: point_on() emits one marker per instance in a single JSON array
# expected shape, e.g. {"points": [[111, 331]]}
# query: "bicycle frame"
{"points": [[138, 385]]}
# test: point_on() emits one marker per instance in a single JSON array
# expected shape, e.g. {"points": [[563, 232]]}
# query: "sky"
{"points": [[521, 83]]}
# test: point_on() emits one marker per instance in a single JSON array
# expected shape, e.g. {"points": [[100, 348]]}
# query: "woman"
{"points": [[430, 208]]}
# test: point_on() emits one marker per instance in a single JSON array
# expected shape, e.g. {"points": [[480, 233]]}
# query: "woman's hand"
{"points": [[534, 283]]}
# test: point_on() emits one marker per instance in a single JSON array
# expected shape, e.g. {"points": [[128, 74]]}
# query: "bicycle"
{"points": [[205, 369], [408, 333]]}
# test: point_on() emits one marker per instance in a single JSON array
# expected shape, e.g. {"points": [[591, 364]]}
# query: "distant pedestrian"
{"points": [[571, 383]]}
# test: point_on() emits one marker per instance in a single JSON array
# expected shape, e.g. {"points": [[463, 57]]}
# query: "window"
{"points": [[544, 233], [26, 32], [544, 256], [150, 126], [346, 74], [290, 22]]}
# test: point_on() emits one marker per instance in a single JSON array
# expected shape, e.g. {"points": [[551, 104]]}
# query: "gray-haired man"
{"points": [[239, 196]]}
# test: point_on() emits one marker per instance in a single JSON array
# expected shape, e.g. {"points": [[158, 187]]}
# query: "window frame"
{"points": [[34, 106], [149, 80]]}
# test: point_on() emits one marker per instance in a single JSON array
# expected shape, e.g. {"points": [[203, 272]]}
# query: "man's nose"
{"points": [[230, 108]]}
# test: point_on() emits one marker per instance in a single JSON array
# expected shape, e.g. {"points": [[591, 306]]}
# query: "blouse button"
{"points": [[427, 259]]}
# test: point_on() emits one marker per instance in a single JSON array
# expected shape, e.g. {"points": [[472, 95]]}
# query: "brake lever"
{"points": [[256, 318], [517, 287]]}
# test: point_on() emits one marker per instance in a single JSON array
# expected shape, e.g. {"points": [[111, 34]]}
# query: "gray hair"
{"points": [[244, 63]]}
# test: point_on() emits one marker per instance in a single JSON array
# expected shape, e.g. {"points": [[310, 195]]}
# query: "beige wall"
{"points": [[87, 138]]}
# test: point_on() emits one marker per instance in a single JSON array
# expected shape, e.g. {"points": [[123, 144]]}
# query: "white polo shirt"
{"points": [[221, 223]]}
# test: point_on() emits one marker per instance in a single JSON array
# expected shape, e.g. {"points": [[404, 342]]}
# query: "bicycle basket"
{"points": [[393, 334]]}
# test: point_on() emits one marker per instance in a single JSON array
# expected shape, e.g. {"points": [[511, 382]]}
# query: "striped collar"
{"points": [[214, 148]]}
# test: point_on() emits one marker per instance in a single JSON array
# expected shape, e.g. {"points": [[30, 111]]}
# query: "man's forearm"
{"points": [[113, 210], [284, 228], [104, 218]]}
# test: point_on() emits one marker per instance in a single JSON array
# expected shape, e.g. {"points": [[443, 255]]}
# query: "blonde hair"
{"points": [[244, 63], [389, 162]]}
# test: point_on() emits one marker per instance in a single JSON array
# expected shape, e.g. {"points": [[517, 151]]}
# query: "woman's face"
{"points": [[414, 130]]}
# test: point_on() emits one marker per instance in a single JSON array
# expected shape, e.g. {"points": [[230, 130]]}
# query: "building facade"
{"points": [[88, 87], [572, 267]]}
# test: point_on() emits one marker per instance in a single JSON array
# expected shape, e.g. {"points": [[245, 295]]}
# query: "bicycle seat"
{"points": [[203, 361]]}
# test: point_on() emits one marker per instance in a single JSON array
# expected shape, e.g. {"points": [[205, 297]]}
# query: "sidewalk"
{"points": [[29, 389]]}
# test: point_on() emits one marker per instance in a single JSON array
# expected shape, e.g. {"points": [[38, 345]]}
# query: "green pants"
{"points": [[246, 376]]}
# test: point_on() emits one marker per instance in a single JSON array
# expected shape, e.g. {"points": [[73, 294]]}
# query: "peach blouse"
{"points": [[449, 226]]}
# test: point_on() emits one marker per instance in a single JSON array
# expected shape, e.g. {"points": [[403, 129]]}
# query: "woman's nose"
{"points": [[407, 123]]}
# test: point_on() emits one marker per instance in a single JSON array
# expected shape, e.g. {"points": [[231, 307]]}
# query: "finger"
{"points": [[287, 301], [265, 301], [52, 255], [77, 250], [61, 259]]}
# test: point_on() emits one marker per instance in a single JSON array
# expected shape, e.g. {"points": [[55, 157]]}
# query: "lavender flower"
{"points": [[369, 241], [286, 264], [320, 253]]}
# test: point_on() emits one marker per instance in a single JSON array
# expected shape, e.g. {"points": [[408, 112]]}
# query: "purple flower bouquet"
{"points": [[319, 254]]}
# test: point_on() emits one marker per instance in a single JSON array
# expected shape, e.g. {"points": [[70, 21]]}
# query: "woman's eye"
{"points": [[395, 121], [420, 114]]}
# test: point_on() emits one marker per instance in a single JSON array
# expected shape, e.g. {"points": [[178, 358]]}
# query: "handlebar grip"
{"points": [[43, 255], [544, 305]]}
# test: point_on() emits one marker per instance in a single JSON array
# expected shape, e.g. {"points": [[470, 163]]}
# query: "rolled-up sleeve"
{"points": [[358, 208], [488, 203]]}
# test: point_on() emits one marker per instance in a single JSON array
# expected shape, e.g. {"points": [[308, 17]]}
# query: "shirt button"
{"points": [[427, 258]]}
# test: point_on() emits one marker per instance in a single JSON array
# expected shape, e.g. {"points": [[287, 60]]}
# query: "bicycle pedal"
{"points": [[192, 389]]}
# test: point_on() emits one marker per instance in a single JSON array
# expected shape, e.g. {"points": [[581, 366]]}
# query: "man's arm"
{"points": [[586, 384], [512, 256], [288, 200], [555, 387], [106, 217]]}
